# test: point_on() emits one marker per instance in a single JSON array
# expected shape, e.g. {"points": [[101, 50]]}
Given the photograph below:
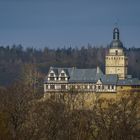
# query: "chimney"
{"points": [[98, 70]]}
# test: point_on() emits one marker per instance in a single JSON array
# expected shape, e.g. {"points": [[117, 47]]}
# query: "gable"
{"points": [[99, 82]]}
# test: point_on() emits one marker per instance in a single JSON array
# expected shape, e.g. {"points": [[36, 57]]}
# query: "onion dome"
{"points": [[116, 43]]}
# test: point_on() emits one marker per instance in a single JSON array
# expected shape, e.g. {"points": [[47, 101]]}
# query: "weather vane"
{"points": [[116, 23]]}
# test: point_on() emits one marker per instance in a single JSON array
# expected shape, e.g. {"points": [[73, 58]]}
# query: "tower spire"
{"points": [[116, 34]]}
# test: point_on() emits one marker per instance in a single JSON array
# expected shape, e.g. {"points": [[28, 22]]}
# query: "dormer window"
{"points": [[51, 74], [62, 74]]}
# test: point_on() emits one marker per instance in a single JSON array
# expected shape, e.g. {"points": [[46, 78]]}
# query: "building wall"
{"points": [[128, 89], [80, 87], [88, 99]]}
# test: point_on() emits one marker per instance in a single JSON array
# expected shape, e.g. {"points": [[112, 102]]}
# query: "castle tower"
{"points": [[116, 61]]}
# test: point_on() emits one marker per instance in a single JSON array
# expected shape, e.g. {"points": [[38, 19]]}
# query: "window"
{"points": [[51, 78], [85, 87], [103, 87], [135, 86], [108, 87], [78, 87], [62, 74], [116, 52], [52, 86], [90, 86], [112, 87], [46, 86], [99, 87], [73, 87], [63, 78], [63, 87], [51, 74]]}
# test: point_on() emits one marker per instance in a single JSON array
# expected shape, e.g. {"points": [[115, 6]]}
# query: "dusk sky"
{"points": [[59, 23]]}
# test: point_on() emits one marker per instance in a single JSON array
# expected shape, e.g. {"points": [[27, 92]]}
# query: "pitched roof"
{"points": [[92, 76], [85, 75], [131, 81]]}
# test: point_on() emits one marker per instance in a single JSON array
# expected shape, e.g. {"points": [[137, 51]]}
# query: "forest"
{"points": [[15, 59]]}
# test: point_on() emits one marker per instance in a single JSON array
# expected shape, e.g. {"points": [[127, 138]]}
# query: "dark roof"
{"points": [[131, 81], [85, 75], [92, 76], [116, 44], [57, 71]]}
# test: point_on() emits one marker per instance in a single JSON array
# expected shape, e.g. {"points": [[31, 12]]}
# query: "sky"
{"points": [[59, 23]]}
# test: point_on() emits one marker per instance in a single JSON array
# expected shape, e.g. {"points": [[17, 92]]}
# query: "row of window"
{"points": [[99, 87], [63, 87], [52, 74], [53, 78], [111, 58], [78, 87]]}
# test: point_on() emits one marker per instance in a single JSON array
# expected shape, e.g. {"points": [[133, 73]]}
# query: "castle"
{"points": [[115, 79]]}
